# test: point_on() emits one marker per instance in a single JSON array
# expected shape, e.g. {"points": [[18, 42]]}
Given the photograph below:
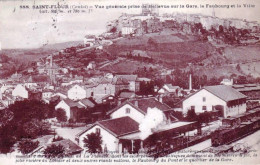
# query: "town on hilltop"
{"points": [[153, 84]]}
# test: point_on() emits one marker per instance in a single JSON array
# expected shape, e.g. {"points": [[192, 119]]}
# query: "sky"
{"points": [[27, 28]]}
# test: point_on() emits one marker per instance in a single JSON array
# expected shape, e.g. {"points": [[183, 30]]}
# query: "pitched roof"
{"points": [[40, 78], [62, 91], [128, 77], [72, 103], [44, 139], [120, 81], [143, 104], [69, 146], [246, 89], [225, 92], [120, 126], [87, 102], [170, 86], [108, 96], [127, 95], [146, 103], [105, 81]]}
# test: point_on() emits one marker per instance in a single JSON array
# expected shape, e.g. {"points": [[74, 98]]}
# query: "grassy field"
{"points": [[217, 71], [126, 67], [243, 53], [170, 48], [158, 38], [252, 68]]}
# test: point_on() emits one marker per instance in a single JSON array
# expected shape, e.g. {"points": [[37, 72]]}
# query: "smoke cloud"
{"points": [[152, 120]]}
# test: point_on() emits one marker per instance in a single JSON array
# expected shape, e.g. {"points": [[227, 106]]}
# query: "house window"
{"points": [[204, 108], [98, 130], [204, 99], [127, 110]]}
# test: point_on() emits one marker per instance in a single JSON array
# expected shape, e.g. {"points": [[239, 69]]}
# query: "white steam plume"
{"points": [[152, 119]]}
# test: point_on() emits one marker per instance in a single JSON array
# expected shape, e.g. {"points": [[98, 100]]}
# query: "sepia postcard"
{"points": [[138, 82]]}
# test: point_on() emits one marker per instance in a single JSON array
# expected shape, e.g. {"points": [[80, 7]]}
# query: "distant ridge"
{"points": [[63, 45]]}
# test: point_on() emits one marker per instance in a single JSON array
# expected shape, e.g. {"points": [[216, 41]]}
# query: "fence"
{"points": [[65, 124]]}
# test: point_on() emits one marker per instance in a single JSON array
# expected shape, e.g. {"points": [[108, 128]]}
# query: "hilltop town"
{"points": [[192, 75]]}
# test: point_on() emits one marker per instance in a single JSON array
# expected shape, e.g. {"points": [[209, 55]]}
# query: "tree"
{"points": [[238, 67], [61, 115], [146, 88], [213, 81], [93, 142], [26, 110], [54, 151], [35, 128], [7, 139], [191, 115], [22, 119], [221, 29], [6, 117], [26, 146], [113, 30], [204, 117], [242, 80]]}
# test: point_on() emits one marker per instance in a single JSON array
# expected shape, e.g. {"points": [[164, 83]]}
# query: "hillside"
{"points": [[27, 55], [178, 49], [243, 53], [62, 45], [171, 48], [20, 59]]}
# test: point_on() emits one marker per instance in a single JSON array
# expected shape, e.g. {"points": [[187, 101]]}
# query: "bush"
{"points": [[6, 143], [54, 151], [191, 115], [71, 121], [61, 115], [26, 146], [22, 119], [93, 142], [35, 128]]}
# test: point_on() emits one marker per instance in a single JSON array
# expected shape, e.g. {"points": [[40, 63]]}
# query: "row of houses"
{"points": [[101, 90], [124, 128], [133, 121], [111, 87], [148, 23]]}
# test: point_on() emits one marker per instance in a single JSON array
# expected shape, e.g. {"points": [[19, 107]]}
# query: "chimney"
{"points": [[136, 103], [119, 102], [190, 83], [160, 99]]}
